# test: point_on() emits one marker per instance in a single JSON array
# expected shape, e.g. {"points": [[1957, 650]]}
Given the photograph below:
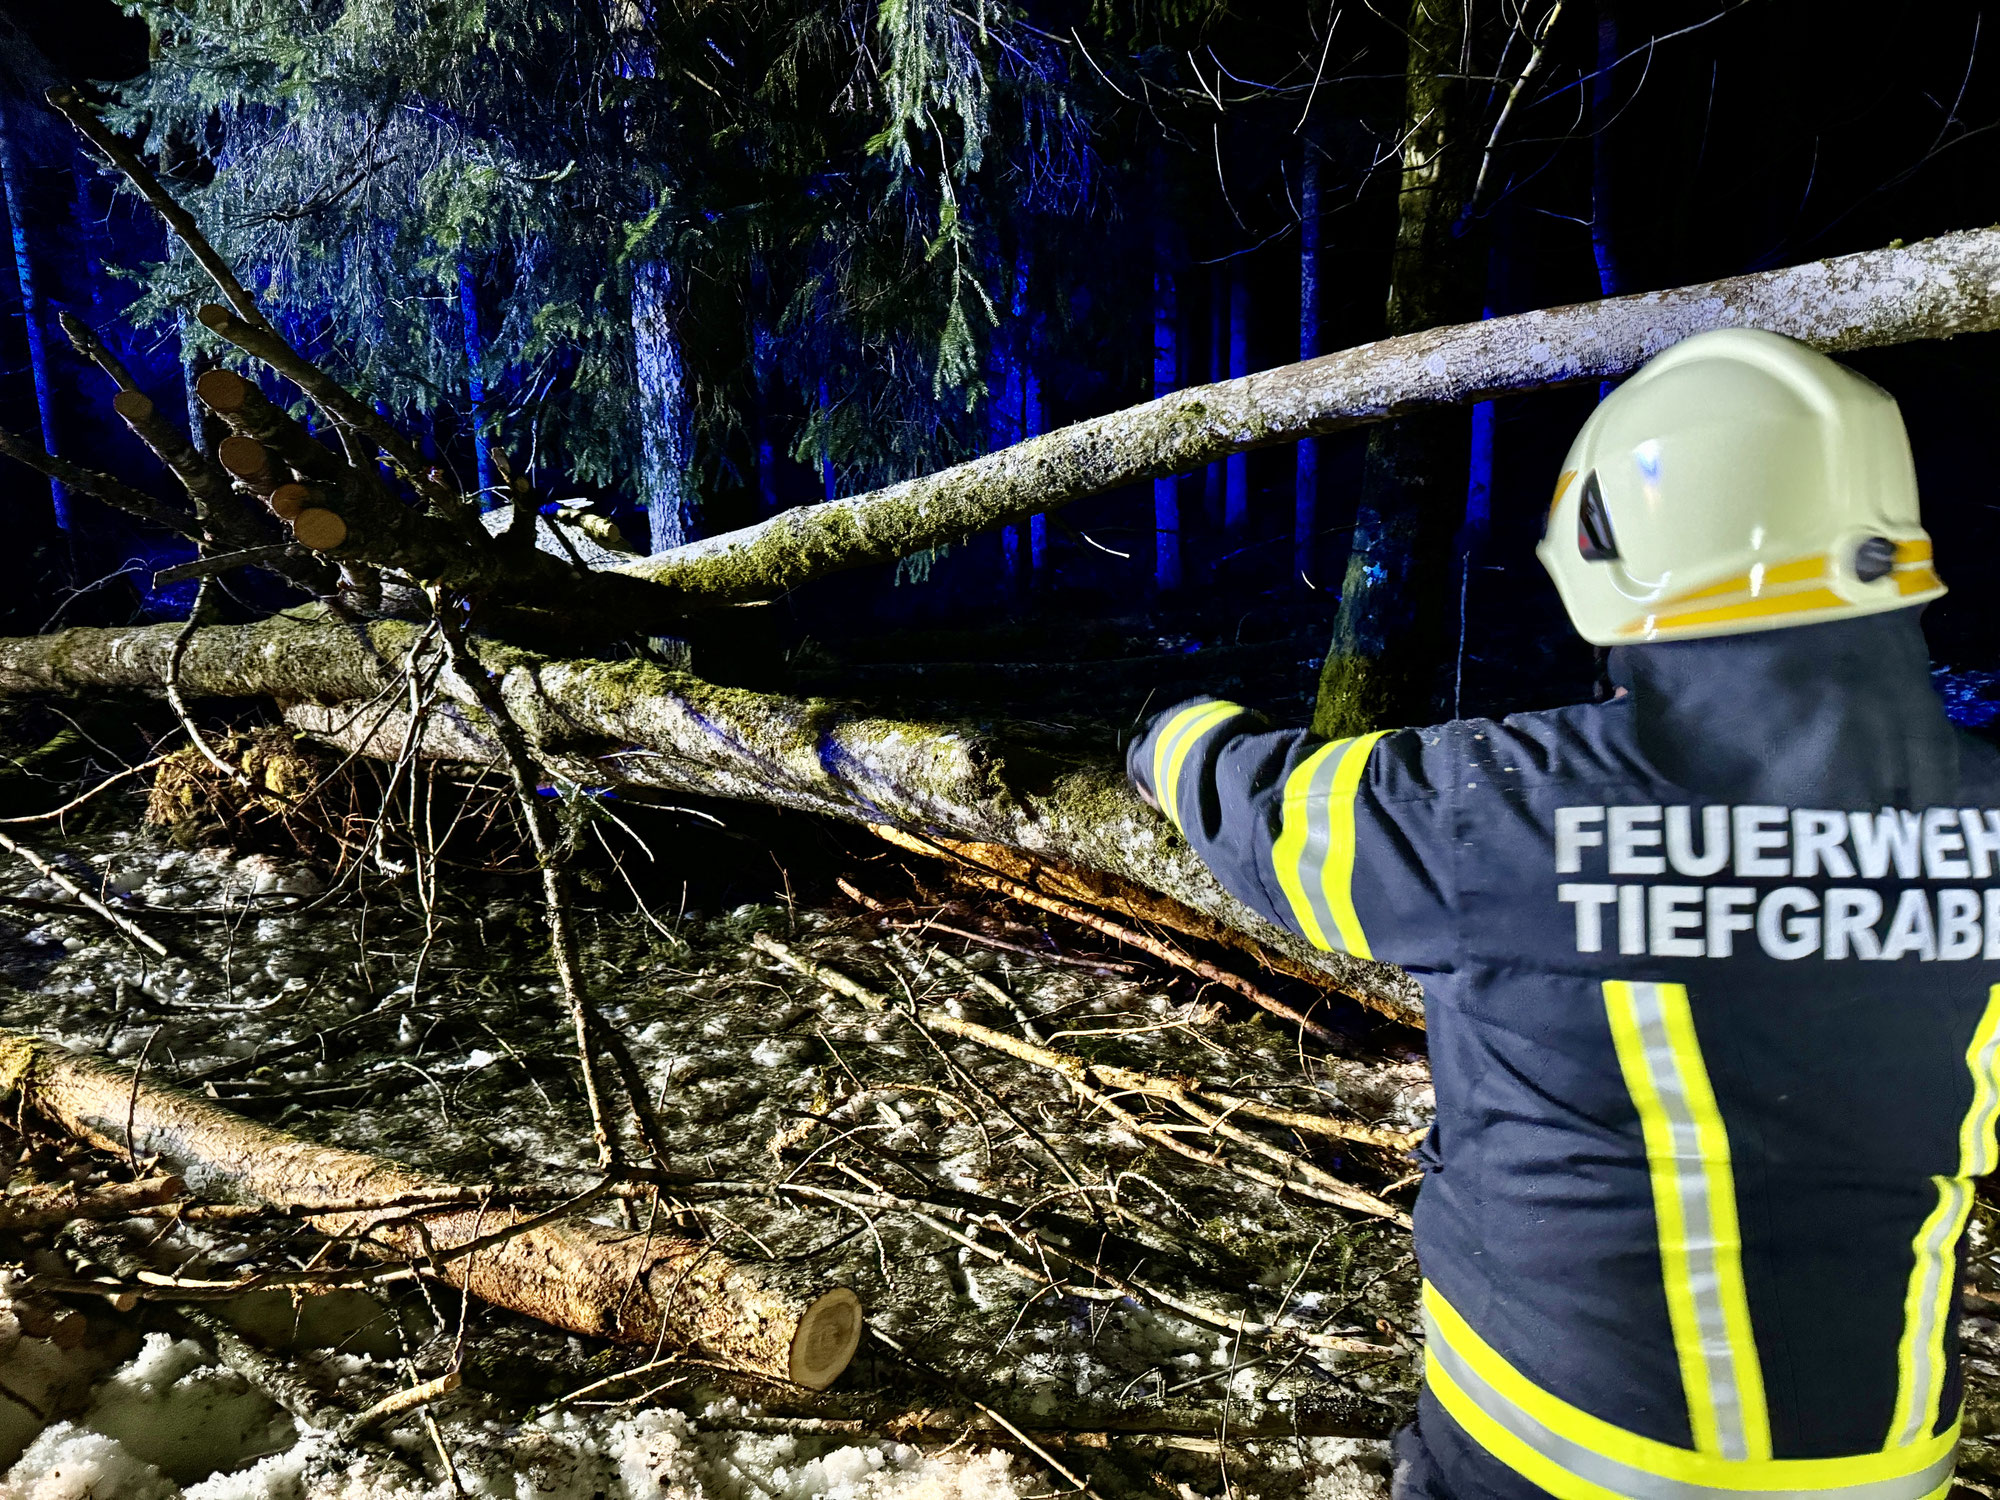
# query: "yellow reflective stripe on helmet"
{"points": [[1694, 1205], [1753, 583], [1576, 1456], [1933, 1292], [1793, 587], [1917, 580], [1314, 852], [1170, 750], [1744, 609], [1562, 484]]}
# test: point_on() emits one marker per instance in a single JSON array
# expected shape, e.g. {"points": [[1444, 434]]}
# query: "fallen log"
{"points": [[634, 724], [632, 1287], [1933, 289]]}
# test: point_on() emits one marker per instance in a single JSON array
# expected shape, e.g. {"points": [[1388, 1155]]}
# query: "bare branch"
{"points": [[98, 485]]}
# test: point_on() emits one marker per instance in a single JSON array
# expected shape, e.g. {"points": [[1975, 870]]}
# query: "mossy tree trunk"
{"points": [[1384, 662]]}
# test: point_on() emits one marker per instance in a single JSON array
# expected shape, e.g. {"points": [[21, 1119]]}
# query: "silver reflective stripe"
{"points": [[1318, 812], [1698, 1220], [1638, 1484], [1935, 1259], [1928, 1304]]}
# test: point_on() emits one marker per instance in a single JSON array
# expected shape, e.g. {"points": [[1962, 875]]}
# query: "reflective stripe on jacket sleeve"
{"points": [[1174, 740], [1314, 853]]}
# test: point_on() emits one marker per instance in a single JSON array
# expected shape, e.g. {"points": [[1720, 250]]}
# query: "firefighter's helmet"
{"points": [[1739, 481]]}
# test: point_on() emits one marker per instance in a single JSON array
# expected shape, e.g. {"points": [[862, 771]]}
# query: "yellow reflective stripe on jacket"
{"points": [[1314, 854], [1170, 750], [1694, 1206], [1576, 1456], [1932, 1293]]}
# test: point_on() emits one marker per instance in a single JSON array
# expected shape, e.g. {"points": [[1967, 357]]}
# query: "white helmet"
{"points": [[1740, 481]]}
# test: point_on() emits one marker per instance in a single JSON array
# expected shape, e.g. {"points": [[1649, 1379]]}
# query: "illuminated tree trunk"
{"points": [[1014, 416], [1305, 469], [34, 309], [1236, 487], [829, 480], [1611, 277], [1166, 376], [764, 428], [1218, 365], [666, 407], [475, 384], [194, 364], [1391, 639]]}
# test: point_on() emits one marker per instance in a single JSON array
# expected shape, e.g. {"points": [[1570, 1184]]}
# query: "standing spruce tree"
{"points": [[678, 222]]}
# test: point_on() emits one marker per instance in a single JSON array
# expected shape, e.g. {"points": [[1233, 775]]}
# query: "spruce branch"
{"points": [[124, 155]]}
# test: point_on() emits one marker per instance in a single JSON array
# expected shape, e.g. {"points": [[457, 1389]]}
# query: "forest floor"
{"points": [[430, 1032], [1256, 1343]]}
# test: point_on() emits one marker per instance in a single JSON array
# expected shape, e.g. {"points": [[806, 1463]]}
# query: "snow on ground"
{"points": [[442, 1044]]}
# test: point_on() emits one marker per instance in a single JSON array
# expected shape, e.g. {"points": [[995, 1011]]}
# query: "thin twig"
{"points": [[77, 893], [75, 802]]}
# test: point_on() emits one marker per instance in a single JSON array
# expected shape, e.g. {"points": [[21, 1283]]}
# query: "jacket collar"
{"points": [[1840, 715]]}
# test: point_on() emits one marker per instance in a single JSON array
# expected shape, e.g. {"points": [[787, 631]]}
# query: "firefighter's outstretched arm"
{"points": [[1307, 832]]}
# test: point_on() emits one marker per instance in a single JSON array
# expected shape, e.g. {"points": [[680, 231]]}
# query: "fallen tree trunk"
{"points": [[634, 1287], [1933, 289], [634, 724]]}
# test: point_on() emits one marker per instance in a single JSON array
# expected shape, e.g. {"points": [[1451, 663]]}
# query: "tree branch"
{"points": [[98, 485]]}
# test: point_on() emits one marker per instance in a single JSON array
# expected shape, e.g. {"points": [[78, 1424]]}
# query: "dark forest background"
{"points": [[692, 265]]}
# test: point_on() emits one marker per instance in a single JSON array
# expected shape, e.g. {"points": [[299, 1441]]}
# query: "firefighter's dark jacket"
{"points": [[1710, 973]]}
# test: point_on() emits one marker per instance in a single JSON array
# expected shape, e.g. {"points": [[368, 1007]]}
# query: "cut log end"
{"points": [[829, 1333], [222, 391], [290, 501], [133, 406], [214, 316], [319, 529], [243, 456]]}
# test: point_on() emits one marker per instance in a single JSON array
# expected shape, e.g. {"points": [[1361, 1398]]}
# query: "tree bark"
{"points": [[1166, 378], [1388, 639], [634, 1287], [1932, 289], [634, 724], [1305, 467], [666, 407], [27, 277], [474, 338]]}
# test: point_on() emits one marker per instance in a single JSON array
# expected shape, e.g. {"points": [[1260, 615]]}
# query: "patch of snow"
{"points": [[68, 1462]]}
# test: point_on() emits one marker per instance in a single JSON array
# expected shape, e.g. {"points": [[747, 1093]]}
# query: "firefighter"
{"points": [[1711, 971]]}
